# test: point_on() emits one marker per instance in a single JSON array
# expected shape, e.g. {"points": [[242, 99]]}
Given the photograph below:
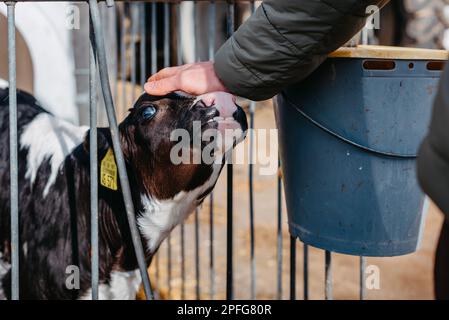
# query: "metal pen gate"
{"points": [[144, 16]]}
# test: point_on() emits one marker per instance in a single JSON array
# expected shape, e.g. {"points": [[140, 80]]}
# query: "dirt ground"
{"points": [[405, 277]]}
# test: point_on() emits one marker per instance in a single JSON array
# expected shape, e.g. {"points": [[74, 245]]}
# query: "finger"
{"points": [[164, 73], [161, 87], [167, 72]]}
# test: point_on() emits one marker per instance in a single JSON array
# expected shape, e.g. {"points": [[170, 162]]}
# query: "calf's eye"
{"points": [[149, 112]]}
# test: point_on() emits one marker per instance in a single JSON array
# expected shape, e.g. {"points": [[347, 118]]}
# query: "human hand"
{"points": [[195, 78]]}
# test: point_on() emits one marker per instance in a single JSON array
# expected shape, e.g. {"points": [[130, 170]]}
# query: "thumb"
{"points": [[161, 87]]}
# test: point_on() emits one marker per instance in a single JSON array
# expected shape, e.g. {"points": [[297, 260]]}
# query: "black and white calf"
{"points": [[54, 191]]}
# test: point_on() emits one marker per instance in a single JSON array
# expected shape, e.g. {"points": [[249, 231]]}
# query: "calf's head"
{"points": [[175, 142]]}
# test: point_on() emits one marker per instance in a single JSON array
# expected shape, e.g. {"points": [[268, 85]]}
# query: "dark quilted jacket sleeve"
{"points": [[284, 41], [433, 157]]}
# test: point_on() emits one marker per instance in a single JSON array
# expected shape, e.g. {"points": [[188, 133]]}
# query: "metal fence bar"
{"points": [[167, 64], [134, 7], [143, 44], [197, 222], [123, 31], [153, 56], [212, 11], [166, 35], [195, 32], [252, 109], [93, 163], [169, 267], [251, 201], [279, 233], [153, 38], [362, 292], [229, 200], [306, 271], [328, 275], [292, 268], [112, 33], [229, 237], [212, 31], [107, 96], [212, 28], [211, 247], [13, 156], [197, 256], [182, 228], [183, 264]]}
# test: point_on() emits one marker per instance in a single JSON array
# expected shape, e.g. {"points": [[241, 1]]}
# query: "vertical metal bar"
{"points": [[153, 38], [252, 109], [328, 275], [166, 34], [279, 234], [143, 45], [211, 247], [229, 205], [251, 201], [212, 31], [183, 264], [167, 64], [212, 28], [364, 35], [252, 6], [292, 268], [197, 224], [13, 157], [182, 231], [362, 278], [195, 31], [169, 267], [134, 32], [306, 271], [179, 35], [365, 41], [211, 52], [112, 15], [123, 57], [153, 41], [229, 237], [197, 256], [110, 22], [126, 190], [93, 164], [156, 258]]}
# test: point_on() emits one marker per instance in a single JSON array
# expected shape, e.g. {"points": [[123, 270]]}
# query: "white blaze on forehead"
{"points": [[47, 137], [224, 102]]}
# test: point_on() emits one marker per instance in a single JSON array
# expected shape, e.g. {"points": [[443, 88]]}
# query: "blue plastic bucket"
{"points": [[348, 139]]}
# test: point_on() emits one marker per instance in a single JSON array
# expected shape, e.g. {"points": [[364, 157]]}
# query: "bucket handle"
{"points": [[338, 136]]}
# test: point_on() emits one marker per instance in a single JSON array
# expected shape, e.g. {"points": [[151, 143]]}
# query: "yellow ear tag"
{"points": [[108, 171]]}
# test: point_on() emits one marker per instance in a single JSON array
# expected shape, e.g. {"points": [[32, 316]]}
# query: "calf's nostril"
{"points": [[201, 104], [211, 112], [240, 116]]}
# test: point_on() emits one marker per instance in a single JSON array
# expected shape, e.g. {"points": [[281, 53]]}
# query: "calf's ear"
{"points": [[128, 143], [104, 142]]}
